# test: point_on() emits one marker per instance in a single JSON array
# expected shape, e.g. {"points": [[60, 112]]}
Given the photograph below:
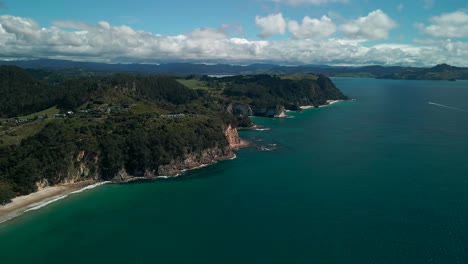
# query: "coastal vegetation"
{"points": [[111, 127]]}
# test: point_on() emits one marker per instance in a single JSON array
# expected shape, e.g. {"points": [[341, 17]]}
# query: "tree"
{"points": [[6, 192]]}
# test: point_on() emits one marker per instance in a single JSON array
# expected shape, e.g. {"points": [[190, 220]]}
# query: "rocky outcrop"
{"points": [[85, 167], [205, 157], [246, 110], [232, 136], [269, 111], [194, 160], [240, 109], [42, 184], [86, 164]]}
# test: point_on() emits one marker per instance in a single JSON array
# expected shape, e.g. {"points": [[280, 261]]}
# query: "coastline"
{"points": [[48, 195], [22, 204], [45, 196], [328, 103]]}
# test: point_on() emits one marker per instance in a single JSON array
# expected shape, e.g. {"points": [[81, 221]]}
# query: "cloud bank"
{"points": [[24, 38], [375, 26], [451, 25], [312, 28], [271, 25]]}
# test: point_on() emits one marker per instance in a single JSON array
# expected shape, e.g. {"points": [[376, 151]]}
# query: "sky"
{"points": [[286, 32]]}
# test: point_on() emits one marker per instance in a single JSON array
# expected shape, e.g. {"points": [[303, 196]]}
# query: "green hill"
{"points": [[112, 127]]}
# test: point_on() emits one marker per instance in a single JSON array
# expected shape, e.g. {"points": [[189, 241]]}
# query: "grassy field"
{"points": [[15, 134], [193, 84], [21, 132], [49, 112]]}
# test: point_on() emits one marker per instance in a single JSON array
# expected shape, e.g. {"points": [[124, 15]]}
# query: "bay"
{"points": [[381, 179]]}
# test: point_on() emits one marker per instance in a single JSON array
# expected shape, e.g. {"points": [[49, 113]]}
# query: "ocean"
{"points": [[379, 179]]}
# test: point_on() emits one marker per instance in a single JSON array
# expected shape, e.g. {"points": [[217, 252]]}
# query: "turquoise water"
{"points": [[383, 179]]}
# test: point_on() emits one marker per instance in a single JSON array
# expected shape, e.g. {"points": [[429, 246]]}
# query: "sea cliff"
{"points": [[192, 160], [84, 172], [127, 126]]}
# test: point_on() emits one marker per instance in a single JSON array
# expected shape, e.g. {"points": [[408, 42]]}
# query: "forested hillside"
{"points": [[23, 94], [266, 90], [107, 127]]}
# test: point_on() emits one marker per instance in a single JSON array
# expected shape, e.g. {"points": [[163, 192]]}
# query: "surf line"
{"points": [[446, 106]]}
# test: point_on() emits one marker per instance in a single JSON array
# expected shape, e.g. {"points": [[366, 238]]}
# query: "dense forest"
{"points": [[134, 143], [23, 94], [109, 124], [266, 90]]}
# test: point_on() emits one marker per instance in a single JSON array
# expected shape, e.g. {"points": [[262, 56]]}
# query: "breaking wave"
{"points": [[60, 197], [449, 107], [39, 206]]}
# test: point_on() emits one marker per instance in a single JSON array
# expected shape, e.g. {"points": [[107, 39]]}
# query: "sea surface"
{"points": [[381, 179]]}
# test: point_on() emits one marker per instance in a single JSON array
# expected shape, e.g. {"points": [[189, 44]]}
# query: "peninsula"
{"points": [[69, 132]]}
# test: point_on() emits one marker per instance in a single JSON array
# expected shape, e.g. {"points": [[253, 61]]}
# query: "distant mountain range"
{"points": [[439, 72]]}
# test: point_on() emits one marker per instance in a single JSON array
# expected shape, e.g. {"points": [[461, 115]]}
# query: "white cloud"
{"points": [[311, 28], [375, 26], [307, 2], [208, 33], [23, 38], [451, 25], [271, 25]]}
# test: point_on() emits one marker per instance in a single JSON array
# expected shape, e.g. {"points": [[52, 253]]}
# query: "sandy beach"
{"points": [[21, 204], [329, 102], [304, 107]]}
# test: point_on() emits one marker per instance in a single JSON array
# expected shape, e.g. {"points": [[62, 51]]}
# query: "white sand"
{"points": [[304, 107], [22, 204], [328, 103]]}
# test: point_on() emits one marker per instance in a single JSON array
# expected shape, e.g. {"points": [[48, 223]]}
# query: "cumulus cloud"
{"points": [[310, 28], [23, 38], [375, 26], [451, 25], [271, 25], [307, 2]]}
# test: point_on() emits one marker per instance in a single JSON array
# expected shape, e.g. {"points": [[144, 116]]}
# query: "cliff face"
{"points": [[232, 136], [246, 110], [86, 165], [270, 111], [240, 109], [205, 157], [193, 160]]}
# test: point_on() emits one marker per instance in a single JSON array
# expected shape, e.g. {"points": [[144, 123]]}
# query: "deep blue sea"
{"points": [[380, 179]]}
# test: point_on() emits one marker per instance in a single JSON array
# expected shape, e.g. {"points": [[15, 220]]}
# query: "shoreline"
{"points": [[48, 195], [43, 197], [33, 201], [328, 103]]}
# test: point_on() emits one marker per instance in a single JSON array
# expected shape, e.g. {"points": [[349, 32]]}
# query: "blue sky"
{"points": [[289, 32]]}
